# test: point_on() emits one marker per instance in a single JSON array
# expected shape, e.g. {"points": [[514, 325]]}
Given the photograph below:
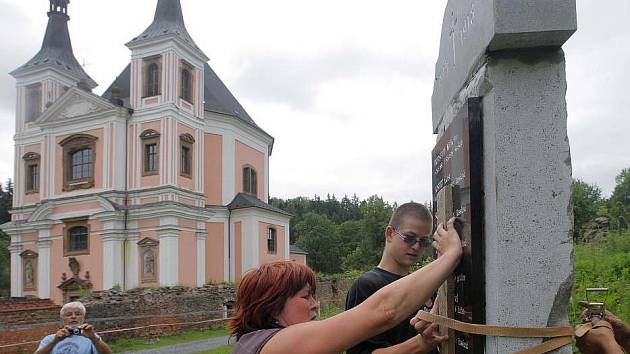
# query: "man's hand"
{"points": [[430, 337], [620, 330], [87, 330], [421, 325], [61, 334], [599, 340]]}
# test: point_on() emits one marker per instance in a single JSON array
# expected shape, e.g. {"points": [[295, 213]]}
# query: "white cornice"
{"points": [[40, 73], [142, 49], [159, 111], [220, 123], [261, 214]]}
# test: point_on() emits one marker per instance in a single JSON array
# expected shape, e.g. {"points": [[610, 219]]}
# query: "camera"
{"points": [[74, 331]]}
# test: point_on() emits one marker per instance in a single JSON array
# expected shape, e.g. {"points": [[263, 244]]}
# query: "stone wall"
{"points": [[332, 293], [29, 320], [24, 320]]}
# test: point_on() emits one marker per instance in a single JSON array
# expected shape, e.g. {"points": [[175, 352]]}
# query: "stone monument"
{"points": [[506, 57]]}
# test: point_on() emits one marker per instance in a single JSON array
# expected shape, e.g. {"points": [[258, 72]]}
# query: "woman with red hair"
{"points": [[275, 305]]}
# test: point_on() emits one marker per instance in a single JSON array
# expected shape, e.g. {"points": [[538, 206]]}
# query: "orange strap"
{"points": [[560, 336]]}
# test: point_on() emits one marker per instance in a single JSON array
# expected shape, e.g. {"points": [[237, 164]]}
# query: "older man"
{"points": [[76, 336]]}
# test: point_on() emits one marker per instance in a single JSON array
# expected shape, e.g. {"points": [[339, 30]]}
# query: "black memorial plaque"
{"points": [[457, 162]]}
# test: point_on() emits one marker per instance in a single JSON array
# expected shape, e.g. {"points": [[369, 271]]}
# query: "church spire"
{"points": [[56, 51], [168, 21]]}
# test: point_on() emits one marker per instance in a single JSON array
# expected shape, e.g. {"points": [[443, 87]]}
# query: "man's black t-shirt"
{"points": [[362, 288]]}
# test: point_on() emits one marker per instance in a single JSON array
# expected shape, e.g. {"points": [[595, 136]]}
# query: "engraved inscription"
{"points": [[458, 31], [462, 343]]}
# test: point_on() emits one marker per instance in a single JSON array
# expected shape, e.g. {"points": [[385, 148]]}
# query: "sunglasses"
{"points": [[424, 242]]}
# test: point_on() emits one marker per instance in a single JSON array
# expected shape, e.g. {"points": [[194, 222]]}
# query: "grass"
{"points": [[603, 264], [131, 344]]}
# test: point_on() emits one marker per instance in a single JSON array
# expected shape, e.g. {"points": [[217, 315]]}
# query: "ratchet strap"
{"points": [[559, 336]]}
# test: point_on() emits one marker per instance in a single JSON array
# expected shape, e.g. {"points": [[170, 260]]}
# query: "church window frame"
{"points": [[250, 180], [31, 172], [186, 143], [150, 152], [152, 85], [186, 82], [76, 237], [33, 102], [272, 240], [79, 161]]}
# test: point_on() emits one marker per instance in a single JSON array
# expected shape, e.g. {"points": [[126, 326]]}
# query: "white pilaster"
{"points": [[228, 251], [169, 251], [287, 239], [131, 258], [201, 258], [228, 169], [112, 259], [16, 269], [266, 192], [249, 243], [43, 264], [169, 258]]}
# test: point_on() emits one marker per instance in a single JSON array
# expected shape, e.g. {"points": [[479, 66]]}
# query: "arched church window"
{"points": [[153, 84], [186, 81], [250, 181], [76, 237], [186, 85]]}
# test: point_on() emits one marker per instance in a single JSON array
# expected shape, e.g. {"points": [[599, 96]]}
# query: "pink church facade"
{"points": [[161, 181]]}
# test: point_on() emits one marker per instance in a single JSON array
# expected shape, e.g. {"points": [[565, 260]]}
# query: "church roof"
{"points": [[168, 21], [243, 200], [217, 97], [56, 51], [297, 250]]}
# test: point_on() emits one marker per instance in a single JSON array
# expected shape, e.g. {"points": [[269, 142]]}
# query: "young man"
{"points": [[406, 238], [76, 336]]}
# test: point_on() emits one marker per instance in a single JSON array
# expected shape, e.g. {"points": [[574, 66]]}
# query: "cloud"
{"points": [[19, 42], [295, 79]]}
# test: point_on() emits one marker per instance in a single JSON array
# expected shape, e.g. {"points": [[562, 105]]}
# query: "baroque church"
{"points": [[162, 180]]}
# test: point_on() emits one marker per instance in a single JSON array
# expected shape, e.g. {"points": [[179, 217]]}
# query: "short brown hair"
{"points": [[263, 292], [411, 209]]}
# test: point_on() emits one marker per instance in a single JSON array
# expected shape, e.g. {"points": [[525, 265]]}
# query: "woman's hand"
{"points": [[446, 240]]}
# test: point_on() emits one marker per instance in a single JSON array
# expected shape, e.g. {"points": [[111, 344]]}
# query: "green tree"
{"points": [[349, 236], [318, 236], [375, 215], [619, 202], [586, 201], [6, 202]]}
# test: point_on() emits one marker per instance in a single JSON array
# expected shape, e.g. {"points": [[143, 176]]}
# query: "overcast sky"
{"points": [[344, 86]]}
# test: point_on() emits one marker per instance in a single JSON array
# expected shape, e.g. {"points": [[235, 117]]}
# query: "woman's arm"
{"points": [[386, 308]]}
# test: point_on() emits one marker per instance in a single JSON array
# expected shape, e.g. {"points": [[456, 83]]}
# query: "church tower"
{"points": [[51, 72], [166, 64]]}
